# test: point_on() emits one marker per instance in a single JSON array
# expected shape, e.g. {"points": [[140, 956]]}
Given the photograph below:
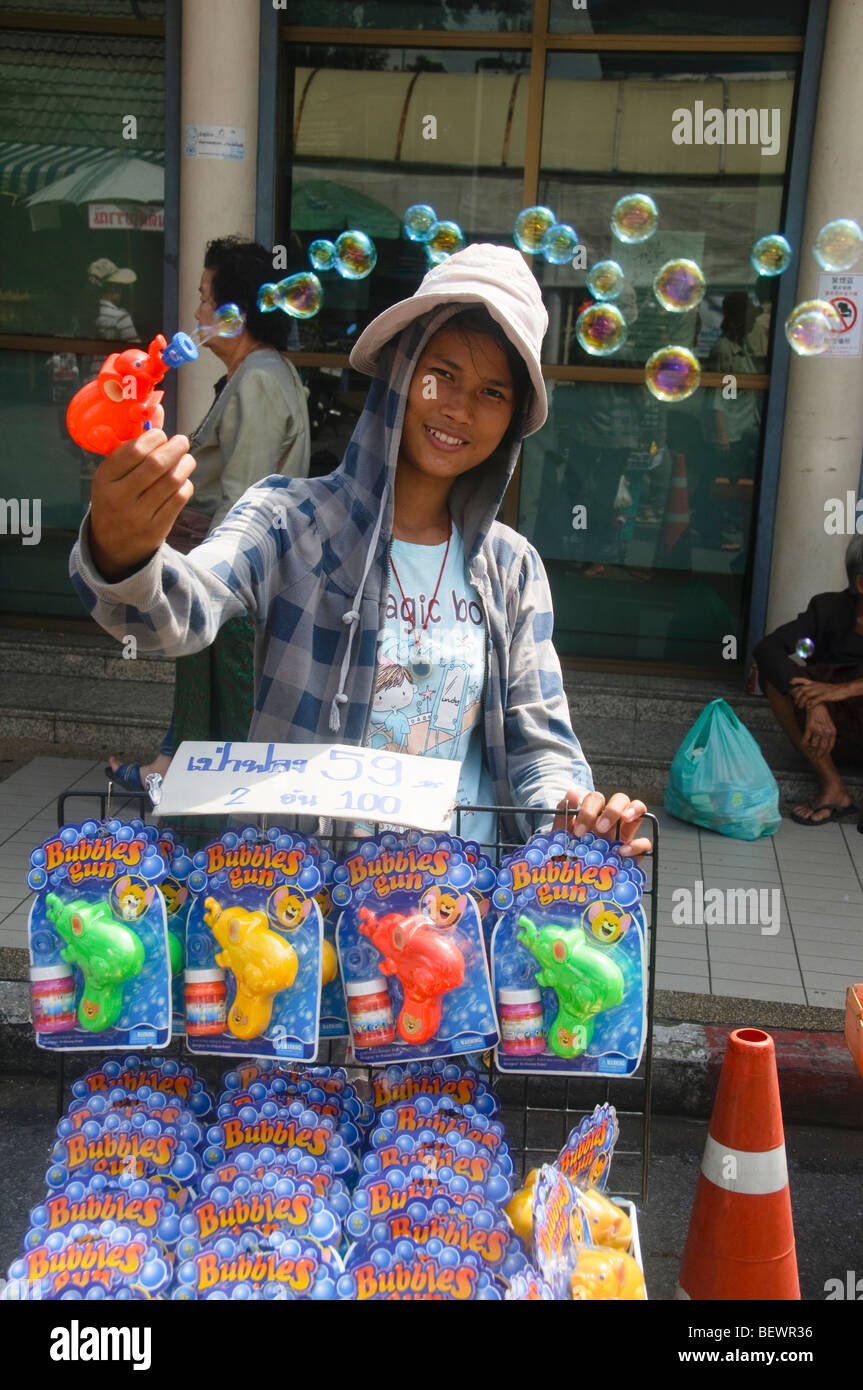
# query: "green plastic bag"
{"points": [[719, 778]]}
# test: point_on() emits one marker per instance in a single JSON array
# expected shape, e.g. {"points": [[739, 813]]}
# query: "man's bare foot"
{"points": [[832, 803]]}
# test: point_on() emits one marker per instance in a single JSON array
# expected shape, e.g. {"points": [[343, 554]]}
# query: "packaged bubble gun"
{"points": [[107, 953], [121, 402], [568, 957]]}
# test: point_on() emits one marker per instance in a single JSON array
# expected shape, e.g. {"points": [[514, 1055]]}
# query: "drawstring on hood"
{"points": [[352, 618]]}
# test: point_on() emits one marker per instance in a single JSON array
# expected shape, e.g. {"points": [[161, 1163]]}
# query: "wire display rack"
{"points": [[537, 1111]]}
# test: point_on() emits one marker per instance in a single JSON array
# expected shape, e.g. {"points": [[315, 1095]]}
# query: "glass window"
{"points": [[720, 17], [483, 16], [138, 10], [375, 130], [715, 200], [44, 481], [642, 514], [82, 179]]}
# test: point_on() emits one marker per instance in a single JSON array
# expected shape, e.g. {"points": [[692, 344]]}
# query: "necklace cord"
{"points": [[437, 586]]}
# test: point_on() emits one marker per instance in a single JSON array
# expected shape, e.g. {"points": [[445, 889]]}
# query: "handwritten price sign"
{"points": [[316, 779]]}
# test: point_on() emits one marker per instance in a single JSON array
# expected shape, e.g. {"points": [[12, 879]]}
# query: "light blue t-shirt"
{"points": [[435, 709]]}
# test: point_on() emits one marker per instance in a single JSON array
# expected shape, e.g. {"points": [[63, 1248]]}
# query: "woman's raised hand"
{"points": [[138, 492]]}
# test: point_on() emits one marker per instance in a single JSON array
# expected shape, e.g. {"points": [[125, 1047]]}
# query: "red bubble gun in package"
{"points": [[426, 965]]}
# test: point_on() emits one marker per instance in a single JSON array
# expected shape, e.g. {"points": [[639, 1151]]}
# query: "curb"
{"points": [[818, 1082]]}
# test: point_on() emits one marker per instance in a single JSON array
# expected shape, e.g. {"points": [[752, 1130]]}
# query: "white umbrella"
{"points": [[118, 178]]}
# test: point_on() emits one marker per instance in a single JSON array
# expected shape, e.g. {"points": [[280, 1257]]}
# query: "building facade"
{"points": [[135, 130]]}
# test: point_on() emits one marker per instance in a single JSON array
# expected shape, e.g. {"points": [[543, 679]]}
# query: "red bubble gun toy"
{"points": [[426, 964], [121, 402]]}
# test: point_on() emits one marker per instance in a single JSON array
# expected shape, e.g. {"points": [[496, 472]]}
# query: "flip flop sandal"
{"points": [[836, 813], [127, 777]]}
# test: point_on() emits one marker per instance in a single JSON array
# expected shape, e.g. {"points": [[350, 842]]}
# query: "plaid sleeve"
{"points": [[544, 757], [176, 603]]}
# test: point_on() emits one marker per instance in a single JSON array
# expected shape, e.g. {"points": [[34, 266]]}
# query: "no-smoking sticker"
{"points": [[847, 311], [844, 292]]}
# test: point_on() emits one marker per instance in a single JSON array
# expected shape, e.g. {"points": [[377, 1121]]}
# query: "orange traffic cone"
{"points": [[741, 1238], [677, 506]]}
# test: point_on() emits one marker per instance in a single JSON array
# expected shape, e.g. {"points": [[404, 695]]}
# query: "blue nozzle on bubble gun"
{"points": [[180, 349]]}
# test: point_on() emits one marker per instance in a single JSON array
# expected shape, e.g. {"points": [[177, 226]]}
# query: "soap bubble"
{"points": [[300, 295], [679, 285], [770, 255], [838, 245], [601, 329], [805, 648], [634, 218], [356, 256], [672, 374], [322, 254], [605, 280], [418, 221], [444, 239], [228, 322], [269, 298], [809, 325], [531, 226], [559, 244]]}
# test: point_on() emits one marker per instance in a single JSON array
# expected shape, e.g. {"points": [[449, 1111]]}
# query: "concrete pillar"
{"points": [[823, 436], [217, 196]]}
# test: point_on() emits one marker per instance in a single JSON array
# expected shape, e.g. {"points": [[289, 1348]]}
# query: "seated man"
{"points": [[820, 706]]}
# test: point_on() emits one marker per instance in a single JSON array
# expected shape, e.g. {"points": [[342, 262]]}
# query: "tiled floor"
{"points": [[818, 877], [814, 878]]}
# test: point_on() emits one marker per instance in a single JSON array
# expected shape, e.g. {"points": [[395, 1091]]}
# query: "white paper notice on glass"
{"points": [[214, 142], [845, 293], [310, 779]]}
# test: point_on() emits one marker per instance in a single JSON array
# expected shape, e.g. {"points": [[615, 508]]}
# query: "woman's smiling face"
{"points": [[460, 404]]}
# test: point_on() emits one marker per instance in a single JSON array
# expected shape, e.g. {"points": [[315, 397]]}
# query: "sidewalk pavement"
{"points": [[786, 967]]}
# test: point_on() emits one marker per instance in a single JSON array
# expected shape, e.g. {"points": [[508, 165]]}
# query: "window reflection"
{"points": [[678, 17], [488, 16], [714, 200], [75, 193], [361, 157], [642, 518]]}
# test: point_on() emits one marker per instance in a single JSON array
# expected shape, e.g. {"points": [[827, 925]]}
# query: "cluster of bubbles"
{"points": [[837, 247], [352, 254], [537, 232], [440, 239], [299, 295], [228, 322], [805, 648]]}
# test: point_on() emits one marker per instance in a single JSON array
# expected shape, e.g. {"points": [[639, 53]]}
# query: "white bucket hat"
{"points": [[495, 276]]}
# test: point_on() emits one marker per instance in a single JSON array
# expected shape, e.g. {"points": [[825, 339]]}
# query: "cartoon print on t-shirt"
{"points": [[394, 691]]}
